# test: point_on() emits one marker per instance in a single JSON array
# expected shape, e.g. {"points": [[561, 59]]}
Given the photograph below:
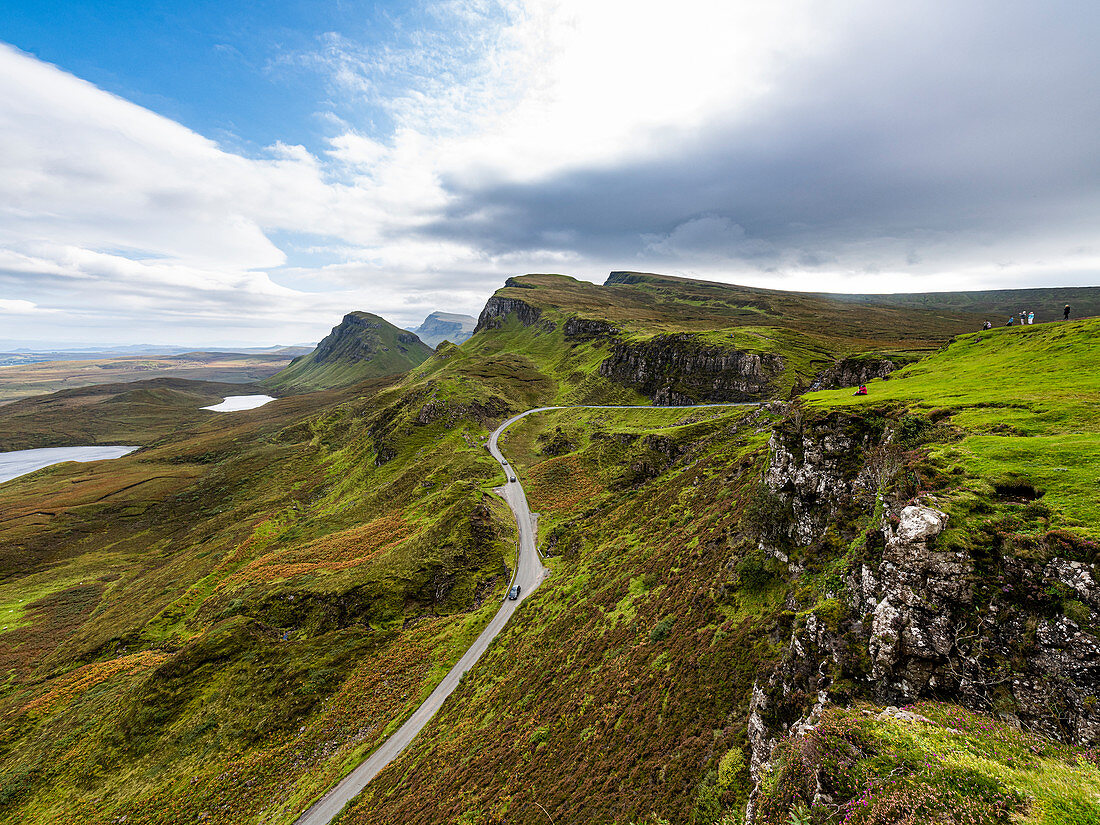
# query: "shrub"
{"points": [[661, 630], [729, 768]]}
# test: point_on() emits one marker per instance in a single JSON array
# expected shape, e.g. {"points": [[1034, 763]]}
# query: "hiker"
{"points": [[861, 391], [1010, 320], [1030, 318], [1065, 313], [987, 325]]}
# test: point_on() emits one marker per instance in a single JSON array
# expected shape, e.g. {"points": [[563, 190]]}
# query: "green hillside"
{"points": [[137, 412], [218, 627], [361, 346], [676, 340]]}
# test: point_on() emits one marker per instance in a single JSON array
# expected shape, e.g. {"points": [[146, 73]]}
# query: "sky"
{"points": [[245, 173]]}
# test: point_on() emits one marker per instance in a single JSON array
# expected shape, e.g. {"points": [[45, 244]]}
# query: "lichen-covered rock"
{"points": [[996, 631], [816, 471]]}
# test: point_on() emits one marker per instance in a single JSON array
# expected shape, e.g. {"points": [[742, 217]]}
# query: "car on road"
{"points": [[511, 478], [503, 463], [513, 594]]}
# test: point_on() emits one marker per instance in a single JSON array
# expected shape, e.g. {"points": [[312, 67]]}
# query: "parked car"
{"points": [[513, 594]]}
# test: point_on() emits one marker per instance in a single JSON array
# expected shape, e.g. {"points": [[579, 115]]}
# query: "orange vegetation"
{"points": [[560, 484], [67, 687], [336, 551]]}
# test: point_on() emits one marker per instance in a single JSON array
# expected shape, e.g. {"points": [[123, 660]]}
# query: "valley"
{"points": [[43, 377], [748, 570]]}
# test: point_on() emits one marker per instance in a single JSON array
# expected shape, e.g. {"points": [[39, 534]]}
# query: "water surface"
{"points": [[235, 403], [20, 462]]}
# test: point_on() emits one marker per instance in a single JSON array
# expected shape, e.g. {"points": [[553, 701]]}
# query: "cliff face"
{"points": [[678, 369], [446, 326], [496, 308], [851, 372], [990, 628]]}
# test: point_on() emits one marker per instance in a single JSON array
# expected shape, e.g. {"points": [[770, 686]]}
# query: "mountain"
{"points": [[446, 326], [361, 346], [820, 608]]}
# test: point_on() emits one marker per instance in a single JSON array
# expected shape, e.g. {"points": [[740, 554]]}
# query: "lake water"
{"points": [[235, 403], [20, 462]]}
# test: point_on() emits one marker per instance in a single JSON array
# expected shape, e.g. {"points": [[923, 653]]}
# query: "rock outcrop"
{"points": [[1011, 634], [851, 372], [497, 308], [587, 329], [679, 369]]}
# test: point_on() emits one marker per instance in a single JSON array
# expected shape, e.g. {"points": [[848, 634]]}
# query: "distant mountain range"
{"points": [[12, 355], [445, 326]]}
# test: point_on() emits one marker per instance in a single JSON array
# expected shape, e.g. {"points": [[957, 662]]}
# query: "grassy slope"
{"points": [[211, 639], [361, 347], [633, 664], [139, 412], [224, 623], [1025, 403], [945, 765]]}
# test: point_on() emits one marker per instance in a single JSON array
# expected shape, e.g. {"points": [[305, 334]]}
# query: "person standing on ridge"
{"points": [[1065, 313], [1030, 318]]}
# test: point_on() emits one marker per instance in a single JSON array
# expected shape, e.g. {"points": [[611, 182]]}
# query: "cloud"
{"points": [[952, 130], [851, 145], [19, 307]]}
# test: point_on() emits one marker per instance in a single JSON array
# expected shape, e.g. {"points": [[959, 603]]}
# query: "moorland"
{"points": [[43, 377], [820, 608]]}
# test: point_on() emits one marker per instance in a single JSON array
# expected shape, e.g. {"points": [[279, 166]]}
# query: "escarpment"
{"points": [[497, 308], [678, 369]]}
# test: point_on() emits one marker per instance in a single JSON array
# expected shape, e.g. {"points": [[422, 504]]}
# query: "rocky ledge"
{"points": [[679, 369]]}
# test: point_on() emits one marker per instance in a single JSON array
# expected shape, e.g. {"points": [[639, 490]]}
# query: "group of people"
{"points": [[1026, 318]]}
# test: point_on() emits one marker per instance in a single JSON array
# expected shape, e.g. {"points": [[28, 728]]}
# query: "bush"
{"points": [[661, 630], [729, 768]]}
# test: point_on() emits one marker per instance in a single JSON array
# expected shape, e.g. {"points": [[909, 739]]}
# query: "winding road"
{"points": [[528, 575]]}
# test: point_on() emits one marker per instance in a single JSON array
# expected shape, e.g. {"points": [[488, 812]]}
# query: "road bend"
{"points": [[529, 574]]}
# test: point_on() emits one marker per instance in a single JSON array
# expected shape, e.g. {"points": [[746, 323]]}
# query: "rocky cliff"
{"points": [[851, 372], [445, 326], [497, 308], [1003, 629], [679, 369]]}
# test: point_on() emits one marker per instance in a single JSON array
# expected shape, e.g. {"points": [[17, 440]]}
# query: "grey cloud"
{"points": [[957, 125]]}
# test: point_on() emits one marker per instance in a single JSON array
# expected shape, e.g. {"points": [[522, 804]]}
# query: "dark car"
{"points": [[511, 478], [513, 594]]}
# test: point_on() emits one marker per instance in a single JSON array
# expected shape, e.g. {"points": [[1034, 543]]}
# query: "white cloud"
{"points": [[562, 106], [19, 307]]}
